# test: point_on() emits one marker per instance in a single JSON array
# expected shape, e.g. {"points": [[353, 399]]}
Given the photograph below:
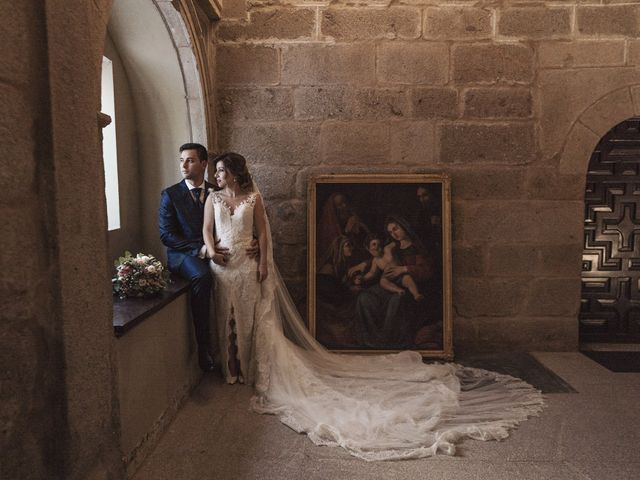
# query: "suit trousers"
{"points": [[197, 271]]}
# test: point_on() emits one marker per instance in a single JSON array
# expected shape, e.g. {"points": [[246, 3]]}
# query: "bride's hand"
{"points": [[262, 273]]}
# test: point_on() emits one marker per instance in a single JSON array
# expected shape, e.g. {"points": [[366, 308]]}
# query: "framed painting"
{"points": [[379, 263]]}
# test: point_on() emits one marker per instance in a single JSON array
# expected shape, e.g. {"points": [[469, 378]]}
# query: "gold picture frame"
{"points": [[383, 296]]}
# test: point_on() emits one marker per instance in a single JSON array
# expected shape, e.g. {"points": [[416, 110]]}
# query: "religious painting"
{"points": [[379, 266]]}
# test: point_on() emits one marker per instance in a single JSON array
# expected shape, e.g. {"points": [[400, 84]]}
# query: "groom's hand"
{"points": [[220, 256], [219, 259], [253, 250]]}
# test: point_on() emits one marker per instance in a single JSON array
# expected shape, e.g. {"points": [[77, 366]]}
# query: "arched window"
{"points": [[109, 147]]}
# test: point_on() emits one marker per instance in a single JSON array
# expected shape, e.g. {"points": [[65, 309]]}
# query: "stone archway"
{"points": [[592, 127], [593, 123]]}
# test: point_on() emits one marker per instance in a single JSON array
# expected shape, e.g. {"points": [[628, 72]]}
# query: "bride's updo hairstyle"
{"points": [[236, 165]]}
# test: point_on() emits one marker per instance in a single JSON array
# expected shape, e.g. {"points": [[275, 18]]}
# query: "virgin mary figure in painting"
{"points": [[388, 319]]}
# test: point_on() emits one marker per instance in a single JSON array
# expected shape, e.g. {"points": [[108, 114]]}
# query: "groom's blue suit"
{"points": [[180, 220]]}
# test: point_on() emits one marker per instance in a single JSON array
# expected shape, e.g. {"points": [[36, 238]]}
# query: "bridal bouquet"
{"points": [[139, 276]]}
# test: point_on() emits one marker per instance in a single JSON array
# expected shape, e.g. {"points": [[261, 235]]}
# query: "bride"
{"points": [[383, 407]]}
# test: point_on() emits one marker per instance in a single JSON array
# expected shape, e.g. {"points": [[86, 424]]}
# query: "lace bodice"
{"points": [[233, 227]]}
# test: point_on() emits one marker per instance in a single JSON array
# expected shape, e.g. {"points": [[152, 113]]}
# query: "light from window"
{"points": [[109, 151]]}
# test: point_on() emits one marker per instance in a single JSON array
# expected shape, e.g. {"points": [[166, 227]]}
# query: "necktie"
{"points": [[196, 195]]}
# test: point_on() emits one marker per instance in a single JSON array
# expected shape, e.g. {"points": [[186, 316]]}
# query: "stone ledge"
{"points": [[129, 312]]}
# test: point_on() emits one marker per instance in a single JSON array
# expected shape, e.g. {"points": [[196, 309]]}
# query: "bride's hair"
{"points": [[235, 164]]}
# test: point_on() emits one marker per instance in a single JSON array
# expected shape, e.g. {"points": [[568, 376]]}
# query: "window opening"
{"points": [[109, 148]]}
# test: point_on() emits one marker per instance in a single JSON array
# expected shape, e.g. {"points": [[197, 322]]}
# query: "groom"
{"points": [[180, 218]]}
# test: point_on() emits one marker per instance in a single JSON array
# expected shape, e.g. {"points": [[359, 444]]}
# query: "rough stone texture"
{"points": [[606, 112], [435, 102], [322, 102], [457, 23], [488, 183], [585, 53], [246, 64], [57, 397], [535, 22], [319, 64], [413, 143], [497, 103], [361, 143], [485, 297], [488, 63], [468, 261], [236, 104], [85, 300], [516, 221], [234, 9], [633, 56], [290, 259], [548, 297], [549, 184], [487, 143], [302, 179], [380, 103], [366, 3], [277, 143], [635, 96], [578, 148], [349, 24], [565, 94], [560, 260], [487, 334], [608, 20], [288, 221], [275, 181], [413, 63], [280, 23], [534, 260]]}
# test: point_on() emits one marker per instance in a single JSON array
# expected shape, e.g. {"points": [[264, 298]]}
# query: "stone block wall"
{"points": [[509, 98], [58, 411]]}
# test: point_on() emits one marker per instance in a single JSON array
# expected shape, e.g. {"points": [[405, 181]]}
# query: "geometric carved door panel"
{"points": [[610, 300]]}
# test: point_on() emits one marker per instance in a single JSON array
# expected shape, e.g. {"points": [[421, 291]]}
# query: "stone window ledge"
{"points": [[129, 312]]}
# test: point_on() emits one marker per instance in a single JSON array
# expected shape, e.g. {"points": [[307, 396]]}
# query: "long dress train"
{"points": [[381, 407]]}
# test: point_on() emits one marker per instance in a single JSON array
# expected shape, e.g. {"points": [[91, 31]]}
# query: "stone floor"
{"points": [[592, 434]]}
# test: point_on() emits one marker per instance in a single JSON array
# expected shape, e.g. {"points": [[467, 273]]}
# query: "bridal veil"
{"points": [[377, 407]]}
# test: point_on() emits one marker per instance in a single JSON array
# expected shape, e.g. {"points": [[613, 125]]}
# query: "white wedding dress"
{"points": [[377, 407]]}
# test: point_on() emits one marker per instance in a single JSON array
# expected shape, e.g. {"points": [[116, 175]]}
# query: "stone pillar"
{"points": [[58, 400]]}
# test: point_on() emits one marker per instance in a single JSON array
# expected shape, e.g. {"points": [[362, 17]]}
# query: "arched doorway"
{"points": [[610, 300]]}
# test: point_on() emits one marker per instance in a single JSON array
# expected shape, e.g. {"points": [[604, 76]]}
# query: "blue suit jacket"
{"points": [[180, 221]]}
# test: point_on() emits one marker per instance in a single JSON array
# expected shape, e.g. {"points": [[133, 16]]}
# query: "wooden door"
{"points": [[610, 303]]}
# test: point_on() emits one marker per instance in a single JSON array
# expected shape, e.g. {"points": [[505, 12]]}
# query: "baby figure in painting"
{"points": [[374, 267], [405, 281]]}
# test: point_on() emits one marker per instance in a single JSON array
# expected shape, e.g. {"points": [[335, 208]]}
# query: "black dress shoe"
{"points": [[206, 362]]}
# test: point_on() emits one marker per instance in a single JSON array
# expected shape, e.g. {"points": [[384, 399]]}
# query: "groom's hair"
{"points": [[201, 149]]}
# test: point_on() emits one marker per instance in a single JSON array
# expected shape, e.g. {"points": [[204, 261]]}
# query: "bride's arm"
{"points": [[207, 233], [260, 222]]}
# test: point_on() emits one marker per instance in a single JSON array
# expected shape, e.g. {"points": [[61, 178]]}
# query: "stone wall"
{"points": [[27, 340], [508, 97], [59, 414]]}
